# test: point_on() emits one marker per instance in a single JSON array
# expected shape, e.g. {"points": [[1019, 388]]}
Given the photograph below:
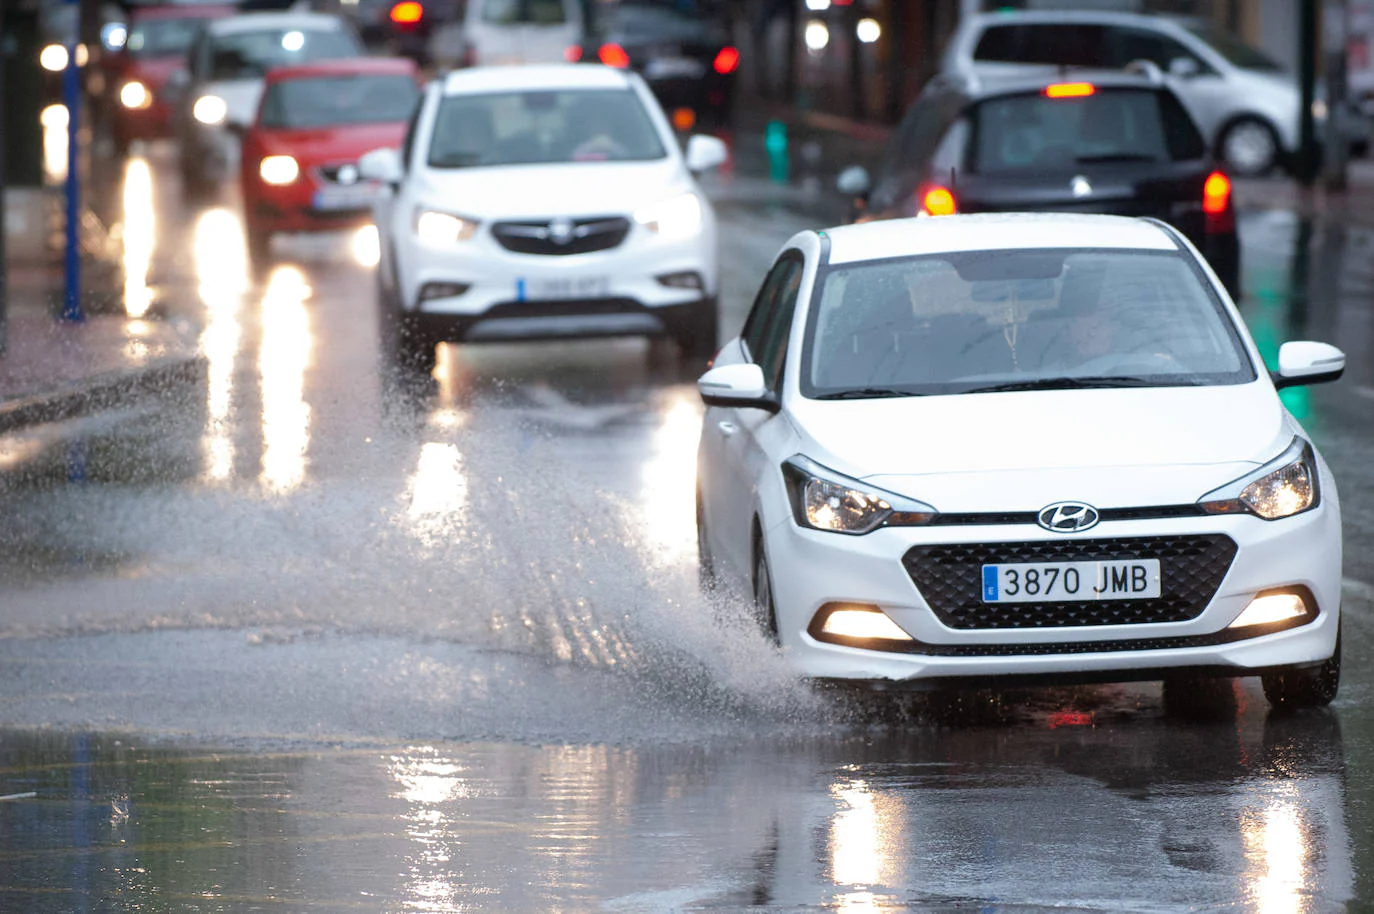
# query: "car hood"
{"points": [[333, 144], [1019, 451], [544, 191], [240, 98]]}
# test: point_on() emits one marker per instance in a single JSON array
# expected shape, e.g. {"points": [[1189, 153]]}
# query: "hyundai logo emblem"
{"points": [[561, 231], [1067, 517]]}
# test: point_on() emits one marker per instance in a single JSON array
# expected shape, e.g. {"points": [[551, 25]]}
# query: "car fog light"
{"points": [[210, 109], [1267, 609], [438, 229], [442, 290], [677, 217], [862, 624], [687, 280], [279, 170], [1281, 488]]}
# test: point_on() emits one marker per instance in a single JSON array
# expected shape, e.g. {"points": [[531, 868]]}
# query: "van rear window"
{"points": [[1032, 132]]}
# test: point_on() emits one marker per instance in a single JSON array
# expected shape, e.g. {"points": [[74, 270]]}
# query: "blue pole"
{"points": [[71, 97]]}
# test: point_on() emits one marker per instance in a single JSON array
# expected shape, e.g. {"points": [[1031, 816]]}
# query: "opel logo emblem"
{"points": [[561, 231], [1080, 186], [1067, 517], [348, 174]]}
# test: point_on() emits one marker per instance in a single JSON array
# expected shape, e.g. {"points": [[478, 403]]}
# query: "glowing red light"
{"points": [[727, 60], [1070, 90], [938, 201], [407, 12], [1216, 194], [572, 53], [613, 55]]}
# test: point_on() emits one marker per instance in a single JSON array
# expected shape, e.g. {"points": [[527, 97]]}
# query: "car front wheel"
{"points": [[763, 596], [404, 344], [1250, 147], [1309, 687]]}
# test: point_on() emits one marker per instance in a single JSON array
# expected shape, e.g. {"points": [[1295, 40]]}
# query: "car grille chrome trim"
{"points": [[558, 237], [949, 577], [1004, 518]]}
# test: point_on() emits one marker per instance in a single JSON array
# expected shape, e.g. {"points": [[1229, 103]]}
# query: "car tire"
{"points": [[1307, 687], [706, 563], [696, 338], [764, 607], [1199, 698], [1249, 147], [405, 347]]}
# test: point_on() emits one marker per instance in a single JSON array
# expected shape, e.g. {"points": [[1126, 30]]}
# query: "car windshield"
{"points": [[990, 320], [249, 55], [525, 128], [162, 37], [524, 12], [328, 101], [1034, 132], [1234, 50]]}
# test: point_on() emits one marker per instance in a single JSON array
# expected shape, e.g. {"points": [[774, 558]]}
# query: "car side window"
{"points": [[408, 144], [1128, 45], [756, 325], [952, 152], [772, 357], [1069, 45]]}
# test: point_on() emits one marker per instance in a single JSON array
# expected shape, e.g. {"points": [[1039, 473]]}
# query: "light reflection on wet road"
{"points": [[474, 606]]}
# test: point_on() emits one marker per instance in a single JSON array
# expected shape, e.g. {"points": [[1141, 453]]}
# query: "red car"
{"points": [[154, 49], [299, 162]]}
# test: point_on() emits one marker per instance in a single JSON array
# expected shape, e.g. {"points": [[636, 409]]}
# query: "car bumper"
{"points": [[293, 209], [812, 569], [620, 291]]}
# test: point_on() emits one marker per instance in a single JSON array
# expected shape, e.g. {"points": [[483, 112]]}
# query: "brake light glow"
{"points": [[938, 201], [726, 60], [1216, 194], [407, 12], [613, 55], [572, 53], [1069, 90]]}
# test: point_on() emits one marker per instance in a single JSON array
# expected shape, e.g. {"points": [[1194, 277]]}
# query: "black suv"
{"points": [[1116, 142]]}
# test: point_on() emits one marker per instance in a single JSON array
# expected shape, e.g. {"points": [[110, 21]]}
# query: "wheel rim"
{"points": [[763, 599], [1249, 147]]}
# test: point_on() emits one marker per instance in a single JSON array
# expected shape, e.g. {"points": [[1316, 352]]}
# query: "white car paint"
{"points": [[1113, 448], [489, 43]]}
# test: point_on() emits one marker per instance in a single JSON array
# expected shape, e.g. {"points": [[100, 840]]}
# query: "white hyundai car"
{"points": [[543, 202], [1032, 448]]}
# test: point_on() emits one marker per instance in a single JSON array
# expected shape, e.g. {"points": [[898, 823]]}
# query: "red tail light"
{"points": [[613, 55], [1069, 90], [1216, 204], [407, 12], [727, 60], [572, 53], [938, 201]]}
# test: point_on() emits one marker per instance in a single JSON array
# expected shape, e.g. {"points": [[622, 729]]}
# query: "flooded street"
{"points": [[311, 641]]}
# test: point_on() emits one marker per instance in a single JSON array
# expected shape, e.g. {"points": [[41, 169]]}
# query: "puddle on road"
{"points": [[1247, 813]]}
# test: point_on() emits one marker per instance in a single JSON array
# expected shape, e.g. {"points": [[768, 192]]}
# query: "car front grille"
{"points": [[950, 577], [562, 236]]}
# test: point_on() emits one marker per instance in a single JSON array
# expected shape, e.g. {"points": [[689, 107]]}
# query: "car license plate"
{"points": [[345, 197], [1035, 582], [674, 68], [568, 287]]}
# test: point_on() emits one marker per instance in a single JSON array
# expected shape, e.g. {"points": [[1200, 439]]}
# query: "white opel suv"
{"points": [[543, 202], [1031, 448]]}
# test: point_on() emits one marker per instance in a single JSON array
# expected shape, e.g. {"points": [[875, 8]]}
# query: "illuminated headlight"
{"points": [[677, 217], [442, 228], [278, 169], [210, 109], [825, 500], [1271, 609], [1281, 488], [862, 624], [135, 96]]}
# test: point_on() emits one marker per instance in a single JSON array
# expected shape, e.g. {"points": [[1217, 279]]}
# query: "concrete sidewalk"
{"points": [[54, 369]]}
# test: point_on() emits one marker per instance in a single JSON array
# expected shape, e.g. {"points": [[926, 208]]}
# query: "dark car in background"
{"points": [[683, 49], [1113, 142]]}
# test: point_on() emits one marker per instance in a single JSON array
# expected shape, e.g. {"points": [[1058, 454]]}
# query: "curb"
{"points": [[103, 391]]}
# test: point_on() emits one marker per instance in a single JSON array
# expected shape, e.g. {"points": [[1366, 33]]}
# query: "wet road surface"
{"points": [[311, 642]]}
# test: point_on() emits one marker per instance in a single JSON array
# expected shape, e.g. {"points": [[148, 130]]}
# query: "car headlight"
{"points": [[135, 96], [278, 169], [676, 217], [825, 500], [210, 109], [437, 228], [1284, 486]]}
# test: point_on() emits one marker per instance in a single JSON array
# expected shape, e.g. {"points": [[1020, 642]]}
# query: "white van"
{"points": [[519, 31]]}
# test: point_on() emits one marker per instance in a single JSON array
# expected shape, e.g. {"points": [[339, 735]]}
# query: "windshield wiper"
{"points": [[1077, 383], [866, 393]]}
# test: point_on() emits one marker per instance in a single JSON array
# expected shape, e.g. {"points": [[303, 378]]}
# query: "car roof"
{"points": [[1067, 16], [261, 22], [347, 66], [915, 236], [534, 77]]}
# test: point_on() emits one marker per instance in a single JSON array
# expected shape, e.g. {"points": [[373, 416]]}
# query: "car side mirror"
{"points": [[1184, 67], [705, 152], [381, 165], [854, 182], [1306, 362], [740, 386]]}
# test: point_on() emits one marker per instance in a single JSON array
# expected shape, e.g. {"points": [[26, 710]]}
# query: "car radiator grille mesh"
{"points": [[950, 577], [562, 237]]}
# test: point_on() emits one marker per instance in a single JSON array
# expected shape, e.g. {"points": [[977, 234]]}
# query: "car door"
{"points": [[743, 461], [384, 208], [1206, 93]]}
